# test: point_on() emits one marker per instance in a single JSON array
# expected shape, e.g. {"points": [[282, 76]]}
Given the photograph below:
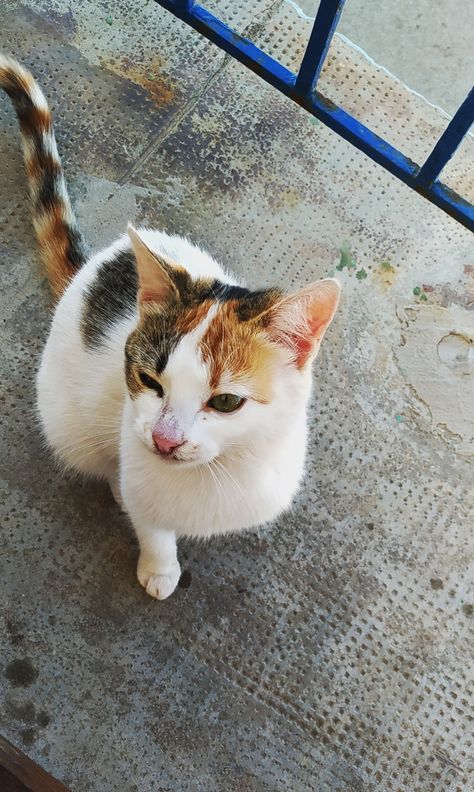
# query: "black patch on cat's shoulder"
{"points": [[111, 296]]}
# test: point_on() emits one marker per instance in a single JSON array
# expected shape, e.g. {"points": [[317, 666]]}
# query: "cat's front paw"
{"points": [[160, 580]]}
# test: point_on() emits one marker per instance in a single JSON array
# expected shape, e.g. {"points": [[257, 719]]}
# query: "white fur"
{"points": [[38, 99], [238, 470]]}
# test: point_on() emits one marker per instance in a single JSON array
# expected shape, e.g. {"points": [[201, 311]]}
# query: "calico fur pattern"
{"points": [[60, 243], [162, 374]]}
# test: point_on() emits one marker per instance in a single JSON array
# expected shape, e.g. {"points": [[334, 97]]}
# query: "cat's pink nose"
{"points": [[165, 445]]}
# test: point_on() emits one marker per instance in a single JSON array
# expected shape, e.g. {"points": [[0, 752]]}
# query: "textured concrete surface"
{"points": [[425, 44], [332, 651]]}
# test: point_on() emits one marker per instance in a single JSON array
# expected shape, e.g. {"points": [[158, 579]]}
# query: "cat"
{"points": [[162, 373]]}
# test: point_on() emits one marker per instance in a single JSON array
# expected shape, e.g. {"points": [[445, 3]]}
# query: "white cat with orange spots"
{"points": [[163, 375]]}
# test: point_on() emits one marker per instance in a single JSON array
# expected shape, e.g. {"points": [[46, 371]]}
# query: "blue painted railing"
{"points": [[302, 89]]}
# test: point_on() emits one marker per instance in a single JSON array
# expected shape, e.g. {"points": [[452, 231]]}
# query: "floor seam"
{"points": [[173, 124], [255, 26]]}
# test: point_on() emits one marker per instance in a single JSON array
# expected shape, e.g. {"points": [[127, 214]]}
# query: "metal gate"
{"points": [[301, 88]]}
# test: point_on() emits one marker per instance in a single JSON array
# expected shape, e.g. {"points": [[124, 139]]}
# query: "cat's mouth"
{"points": [[174, 458], [183, 462], [168, 456]]}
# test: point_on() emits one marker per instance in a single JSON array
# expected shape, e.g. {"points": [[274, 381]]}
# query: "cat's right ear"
{"points": [[155, 274]]}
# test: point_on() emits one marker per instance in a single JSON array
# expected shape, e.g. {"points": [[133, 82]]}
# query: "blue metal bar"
{"points": [[324, 26], [241, 48], [187, 5], [448, 142], [326, 111]]}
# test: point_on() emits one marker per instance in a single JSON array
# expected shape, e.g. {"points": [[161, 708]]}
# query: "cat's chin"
{"points": [[183, 463]]}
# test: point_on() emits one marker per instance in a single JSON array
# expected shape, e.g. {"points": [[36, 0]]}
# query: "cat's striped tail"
{"points": [[60, 243]]}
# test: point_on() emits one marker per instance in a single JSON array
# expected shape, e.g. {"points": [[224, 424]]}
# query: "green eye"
{"points": [[225, 402]]}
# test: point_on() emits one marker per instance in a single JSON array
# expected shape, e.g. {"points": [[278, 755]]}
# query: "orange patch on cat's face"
{"points": [[239, 351], [188, 320]]}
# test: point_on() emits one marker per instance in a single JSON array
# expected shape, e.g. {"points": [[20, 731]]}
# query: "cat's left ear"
{"points": [[157, 277], [299, 321]]}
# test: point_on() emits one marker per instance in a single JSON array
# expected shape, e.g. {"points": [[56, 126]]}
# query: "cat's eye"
{"points": [[225, 402], [151, 383]]}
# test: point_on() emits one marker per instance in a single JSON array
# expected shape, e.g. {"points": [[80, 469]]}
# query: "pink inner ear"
{"points": [[146, 296], [319, 317], [301, 319], [303, 347], [152, 295], [155, 283]]}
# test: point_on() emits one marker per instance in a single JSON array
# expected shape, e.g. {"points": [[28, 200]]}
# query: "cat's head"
{"points": [[214, 369]]}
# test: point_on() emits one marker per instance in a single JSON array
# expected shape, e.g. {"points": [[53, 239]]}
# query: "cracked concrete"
{"points": [[437, 360], [331, 651]]}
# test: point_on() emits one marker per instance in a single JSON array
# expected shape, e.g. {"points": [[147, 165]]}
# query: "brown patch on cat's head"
{"points": [[237, 349], [191, 317], [248, 334], [245, 339]]}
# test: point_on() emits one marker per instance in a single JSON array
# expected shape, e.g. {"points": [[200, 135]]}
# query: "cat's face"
{"points": [[213, 369]]}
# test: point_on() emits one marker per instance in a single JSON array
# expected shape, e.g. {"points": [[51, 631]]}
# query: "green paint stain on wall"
{"points": [[418, 292], [346, 261]]}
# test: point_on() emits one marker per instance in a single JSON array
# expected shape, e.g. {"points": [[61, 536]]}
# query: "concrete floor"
{"points": [[427, 45], [330, 652]]}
